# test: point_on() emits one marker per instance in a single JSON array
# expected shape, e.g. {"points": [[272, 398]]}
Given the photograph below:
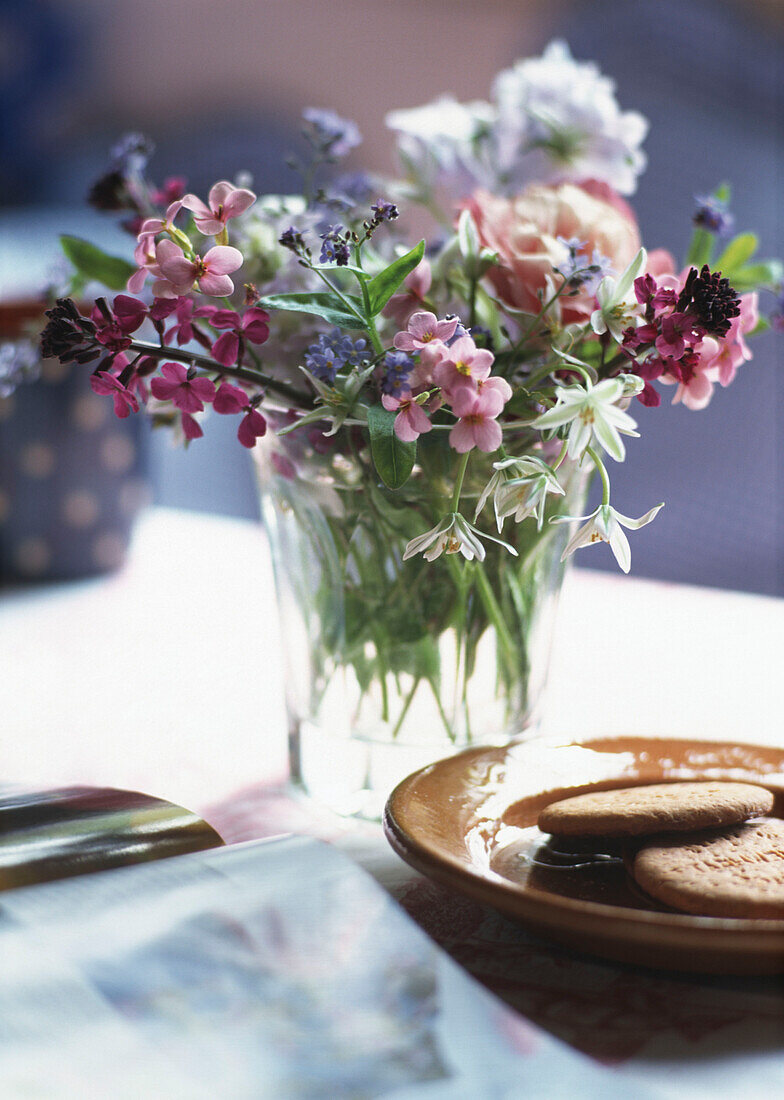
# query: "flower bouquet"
{"points": [[425, 416]]}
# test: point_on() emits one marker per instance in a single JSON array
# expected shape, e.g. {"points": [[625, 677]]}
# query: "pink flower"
{"points": [[145, 255], [225, 201], [732, 349], [106, 384], [252, 326], [400, 306], [152, 226], [411, 420], [173, 189], [114, 326], [184, 388], [229, 399], [523, 231], [183, 329], [211, 271], [477, 426], [423, 330], [252, 427], [461, 365]]}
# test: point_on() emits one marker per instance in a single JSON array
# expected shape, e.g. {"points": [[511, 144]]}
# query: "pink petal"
{"points": [[418, 419], [237, 203], [424, 324], [251, 426], [404, 429], [488, 435], [121, 408], [229, 399], [226, 348], [185, 398], [190, 427], [225, 318], [137, 280], [255, 326], [464, 400], [220, 286], [162, 389], [219, 192], [209, 226], [103, 383], [193, 203], [204, 388], [176, 267], [176, 372], [488, 402], [404, 341], [390, 403], [461, 438]]}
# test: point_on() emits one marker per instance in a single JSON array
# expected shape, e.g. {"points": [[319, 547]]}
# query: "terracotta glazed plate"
{"points": [[470, 822]]}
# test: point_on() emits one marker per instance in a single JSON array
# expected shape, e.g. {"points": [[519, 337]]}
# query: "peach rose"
{"points": [[524, 231]]}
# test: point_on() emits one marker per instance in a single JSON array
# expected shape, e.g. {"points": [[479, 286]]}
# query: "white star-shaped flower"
{"points": [[618, 305], [453, 535], [593, 413], [606, 525], [523, 492]]}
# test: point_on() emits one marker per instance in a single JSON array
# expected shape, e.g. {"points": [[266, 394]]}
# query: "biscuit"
{"points": [[658, 808], [737, 872]]}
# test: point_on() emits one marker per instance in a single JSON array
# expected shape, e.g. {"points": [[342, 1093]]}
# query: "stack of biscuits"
{"points": [[705, 848]]}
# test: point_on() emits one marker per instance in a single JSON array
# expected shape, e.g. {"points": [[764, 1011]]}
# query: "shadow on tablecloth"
{"points": [[610, 1011]]}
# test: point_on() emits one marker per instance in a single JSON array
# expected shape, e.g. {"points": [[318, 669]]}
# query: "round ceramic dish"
{"points": [[470, 822]]}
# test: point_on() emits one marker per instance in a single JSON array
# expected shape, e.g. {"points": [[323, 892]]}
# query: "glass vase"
{"points": [[391, 665]]}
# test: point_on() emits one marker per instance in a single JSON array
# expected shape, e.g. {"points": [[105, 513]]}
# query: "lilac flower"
{"points": [[398, 370], [334, 250], [384, 211], [292, 239], [332, 351], [712, 214], [580, 271], [558, 119], [331, 134], [130, 154]]}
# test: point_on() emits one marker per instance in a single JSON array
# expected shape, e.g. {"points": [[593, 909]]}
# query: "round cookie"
{"points": [[658, 808], [738, 872]]}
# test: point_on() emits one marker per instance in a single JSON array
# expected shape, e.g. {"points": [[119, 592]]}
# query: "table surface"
{"points": [[165, 677]]}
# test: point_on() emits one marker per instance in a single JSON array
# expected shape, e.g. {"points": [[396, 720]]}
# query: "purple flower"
{"points": [[398, 371], [292, 239], [335, 249], [712, 214], [384, 211], [330, 134], [332, 351]]}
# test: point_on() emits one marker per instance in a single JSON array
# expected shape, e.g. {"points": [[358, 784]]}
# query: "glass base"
{"points": [[354, 776]]}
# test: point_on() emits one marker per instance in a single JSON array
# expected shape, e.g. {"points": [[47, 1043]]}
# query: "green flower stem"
{"points": [[404, 709], [370, 322], [338, 294], [561, 456], [459, 482], [602, 474], [496, 617], [257, 377], [442, 713]]}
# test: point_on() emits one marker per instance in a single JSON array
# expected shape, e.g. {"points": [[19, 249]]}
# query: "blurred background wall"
{"points": [[220, 87]]}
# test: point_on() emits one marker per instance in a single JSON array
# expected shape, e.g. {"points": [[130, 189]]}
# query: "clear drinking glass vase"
{"points": [[391, 665]]}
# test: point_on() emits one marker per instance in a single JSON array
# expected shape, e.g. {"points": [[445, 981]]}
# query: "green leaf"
{"points": [[382, 286], [94, 264], [700, 249], [738, 251], [393, 458], [765, 273], [319, 304]]}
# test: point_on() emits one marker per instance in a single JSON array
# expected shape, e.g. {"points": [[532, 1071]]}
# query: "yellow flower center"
{"points": [[463, 368]]}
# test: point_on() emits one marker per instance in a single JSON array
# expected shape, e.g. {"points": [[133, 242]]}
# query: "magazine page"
{"points": [[271, 969]]}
